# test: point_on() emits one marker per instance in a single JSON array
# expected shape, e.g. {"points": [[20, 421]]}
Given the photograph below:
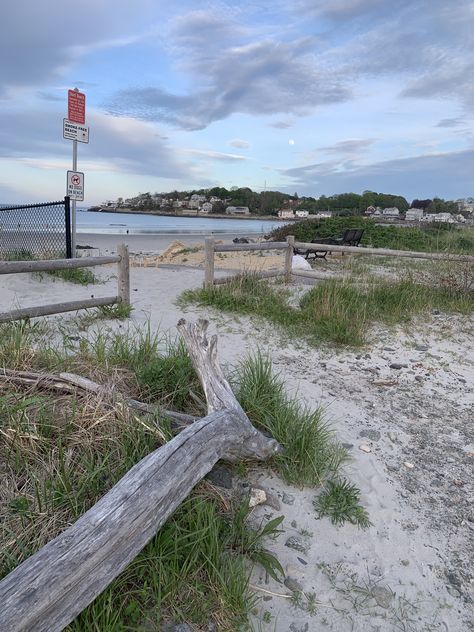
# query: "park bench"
{"points": [[350, 237]]}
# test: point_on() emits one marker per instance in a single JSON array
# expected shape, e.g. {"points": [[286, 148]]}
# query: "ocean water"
{"points": [[130, 223]]}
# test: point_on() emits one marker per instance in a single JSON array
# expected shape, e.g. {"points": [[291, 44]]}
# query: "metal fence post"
{"points": [[67, 217]]}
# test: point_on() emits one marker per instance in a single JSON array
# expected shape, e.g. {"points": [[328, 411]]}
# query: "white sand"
{"points": [[416, 560]]}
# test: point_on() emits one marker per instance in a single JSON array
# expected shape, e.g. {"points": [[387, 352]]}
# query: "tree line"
{"points": [[270, 202]]}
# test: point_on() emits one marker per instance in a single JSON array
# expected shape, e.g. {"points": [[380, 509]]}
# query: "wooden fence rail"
{"points": [[383, 252], [211, 248], [123, 283]]}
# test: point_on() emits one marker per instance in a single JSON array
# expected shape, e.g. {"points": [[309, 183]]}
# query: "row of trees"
{"points": [[269, 202]]}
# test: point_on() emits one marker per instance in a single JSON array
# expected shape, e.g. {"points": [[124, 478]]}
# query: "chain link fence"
{"points": [[36, 231]]}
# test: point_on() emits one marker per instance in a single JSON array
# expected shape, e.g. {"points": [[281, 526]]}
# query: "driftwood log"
{"points": [[49, 589], [72, 383]]}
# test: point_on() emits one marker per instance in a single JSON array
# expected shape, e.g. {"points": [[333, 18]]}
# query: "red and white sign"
{"points": [[76, 107], [75, 185]]}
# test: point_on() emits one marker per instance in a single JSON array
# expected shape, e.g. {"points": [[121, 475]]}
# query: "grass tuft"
{"points": [[81, 276], [340, 501], [120, 311], [311, 454]]}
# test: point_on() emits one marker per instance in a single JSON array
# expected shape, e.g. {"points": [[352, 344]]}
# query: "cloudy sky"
{"points": [[313, 96]]}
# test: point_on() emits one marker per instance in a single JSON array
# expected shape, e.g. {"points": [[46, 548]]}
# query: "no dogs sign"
{"points": [[75, 185]]}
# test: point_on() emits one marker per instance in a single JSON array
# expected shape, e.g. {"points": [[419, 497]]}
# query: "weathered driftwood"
{"points": [[70, 383], [53, 586]]}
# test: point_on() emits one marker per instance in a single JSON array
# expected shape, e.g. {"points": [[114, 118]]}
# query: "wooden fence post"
{"points": [[289, 257], [209, 262], [123, 275]]}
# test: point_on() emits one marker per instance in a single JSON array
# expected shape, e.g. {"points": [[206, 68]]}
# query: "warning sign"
{"points": [[75, 185], [76, 107]]}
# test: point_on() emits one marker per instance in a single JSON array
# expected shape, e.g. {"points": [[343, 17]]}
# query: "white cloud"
{"points": [[240, 144]]}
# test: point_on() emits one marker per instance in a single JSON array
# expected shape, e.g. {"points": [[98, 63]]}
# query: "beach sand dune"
{"points": [[413, 569]]}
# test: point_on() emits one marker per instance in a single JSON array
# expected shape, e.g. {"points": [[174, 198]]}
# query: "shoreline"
{"points": [[265, 218]]}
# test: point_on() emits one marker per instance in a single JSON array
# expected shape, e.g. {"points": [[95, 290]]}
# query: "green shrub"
{"points": [[442, 237]]}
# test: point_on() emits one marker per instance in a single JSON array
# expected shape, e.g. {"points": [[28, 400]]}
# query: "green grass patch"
{"points": [[332, 311], [60, 453], [340, 501], [81, 276], [311, 455], [439, 238], [119, 310]]}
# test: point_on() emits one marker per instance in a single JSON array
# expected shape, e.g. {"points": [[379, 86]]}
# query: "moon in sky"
{"points": [[291, 142]]}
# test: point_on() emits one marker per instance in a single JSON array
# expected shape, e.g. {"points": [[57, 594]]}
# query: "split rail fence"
{"points": [[123, 283], [290, 244]]}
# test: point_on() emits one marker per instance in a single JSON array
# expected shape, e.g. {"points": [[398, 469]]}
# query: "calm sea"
{"points": [[130, 223]]}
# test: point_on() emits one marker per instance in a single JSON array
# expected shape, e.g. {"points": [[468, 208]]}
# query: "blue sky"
{"points": [[313, 96]]}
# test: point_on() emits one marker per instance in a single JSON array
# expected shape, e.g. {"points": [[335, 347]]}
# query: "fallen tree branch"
{"points": [[49, 589], [70, 382]]}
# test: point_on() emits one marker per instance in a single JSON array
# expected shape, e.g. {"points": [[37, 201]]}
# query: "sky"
{"points": [[310, 96]]}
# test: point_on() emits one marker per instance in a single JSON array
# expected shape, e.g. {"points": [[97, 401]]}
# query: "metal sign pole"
{"points": [[73, 201]]}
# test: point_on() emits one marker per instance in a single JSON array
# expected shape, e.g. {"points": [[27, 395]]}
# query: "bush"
{"points": [[443, 237]]}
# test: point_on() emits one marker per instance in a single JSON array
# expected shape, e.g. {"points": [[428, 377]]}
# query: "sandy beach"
{"points": [[409, 432]]}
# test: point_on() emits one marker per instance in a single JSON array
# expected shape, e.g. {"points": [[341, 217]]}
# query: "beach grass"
{"points": [[341, 312], [311, 454], [80, 276], [60, 453]]}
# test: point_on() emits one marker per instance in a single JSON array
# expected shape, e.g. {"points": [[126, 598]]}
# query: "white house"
{"points": [[206, 207], [444, 217], [414, 214], [237, 210], [391, 211], [301, 213], [286, 213], [323, 214]]}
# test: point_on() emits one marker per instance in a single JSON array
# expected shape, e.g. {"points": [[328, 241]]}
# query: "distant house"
{"points": [[370, 210], [444, 217], [206, 207], [323, 215], [414, 214], [391, 211], [286, 213], [237, 210], [301, 213]]}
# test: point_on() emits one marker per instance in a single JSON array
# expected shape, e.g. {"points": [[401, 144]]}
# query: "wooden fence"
{"points": [[287, 271], [123, 283], [210, 248]]}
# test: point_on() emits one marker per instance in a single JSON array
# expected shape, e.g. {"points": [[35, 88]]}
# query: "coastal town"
{"points": [[285, 207]]}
